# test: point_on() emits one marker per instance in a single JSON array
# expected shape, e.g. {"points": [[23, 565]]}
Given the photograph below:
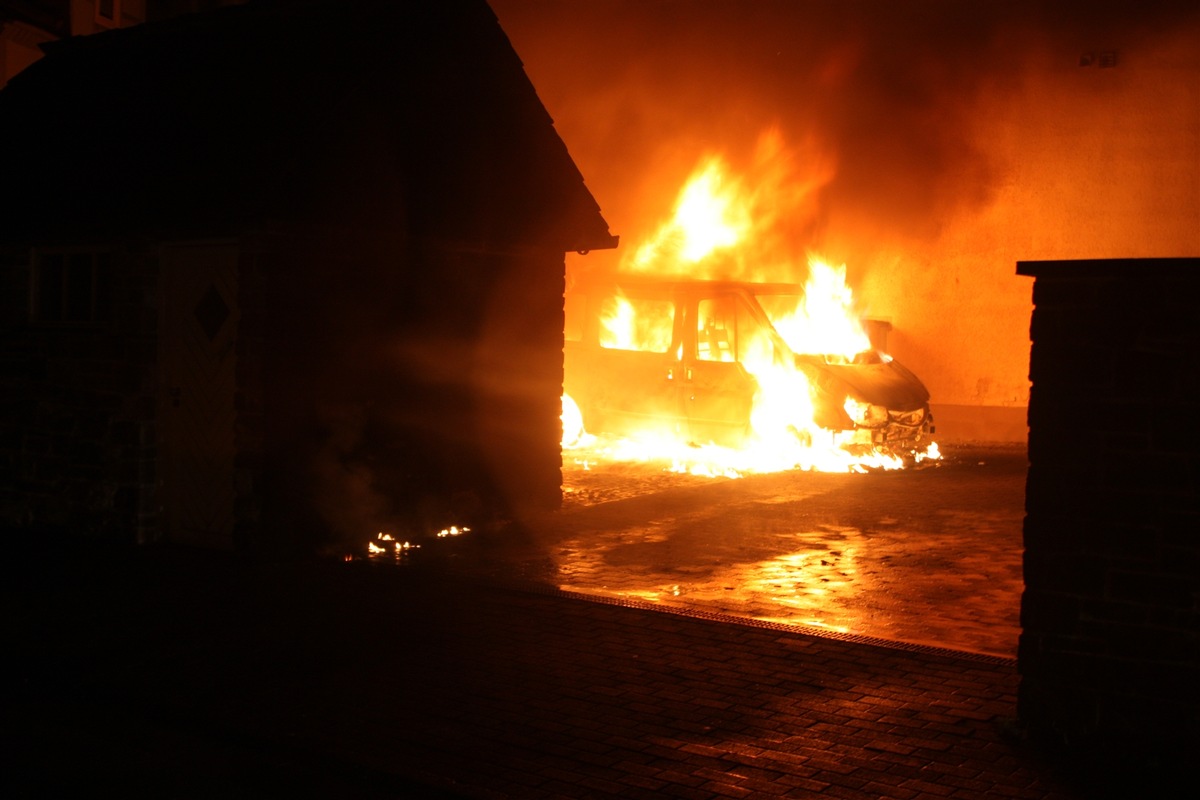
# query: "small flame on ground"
{"points": [[386, 544]]}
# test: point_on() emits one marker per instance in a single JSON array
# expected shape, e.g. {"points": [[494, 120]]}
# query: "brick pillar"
{"points": [[1110, 646]]}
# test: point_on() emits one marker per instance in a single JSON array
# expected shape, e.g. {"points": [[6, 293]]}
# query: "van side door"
{"points": [[623, 373], [719, 392]]}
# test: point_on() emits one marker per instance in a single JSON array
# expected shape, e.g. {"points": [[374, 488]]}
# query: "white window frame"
{"points": [[109, 22]]}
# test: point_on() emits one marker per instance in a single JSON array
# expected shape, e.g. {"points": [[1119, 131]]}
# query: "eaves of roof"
{"points": [[418, 112]]}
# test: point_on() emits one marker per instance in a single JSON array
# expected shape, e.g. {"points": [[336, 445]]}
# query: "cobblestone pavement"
{"points": [[194, 679], [467, 671], [930, 555]]}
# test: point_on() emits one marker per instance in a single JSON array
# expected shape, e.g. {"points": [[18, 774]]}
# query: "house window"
{"points": [[72, 286], [108, 13]]}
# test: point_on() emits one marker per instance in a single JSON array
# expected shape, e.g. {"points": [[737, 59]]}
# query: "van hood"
{"points": [[888, 384]]}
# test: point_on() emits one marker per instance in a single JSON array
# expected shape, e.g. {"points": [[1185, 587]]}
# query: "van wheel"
{"points": [[573, 427]]}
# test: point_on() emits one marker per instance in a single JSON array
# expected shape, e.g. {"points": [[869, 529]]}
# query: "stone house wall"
{"points": [[1110, 648]]}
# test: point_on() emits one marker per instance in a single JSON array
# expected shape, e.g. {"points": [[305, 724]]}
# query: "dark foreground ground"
{"points": [[469, 673]]}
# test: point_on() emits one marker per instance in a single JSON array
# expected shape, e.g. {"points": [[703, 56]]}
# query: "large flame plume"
{"points": [[737, 225], [724, 227]]}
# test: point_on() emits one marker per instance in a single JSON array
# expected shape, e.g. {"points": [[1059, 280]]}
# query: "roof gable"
{"points": [[356, 110]]}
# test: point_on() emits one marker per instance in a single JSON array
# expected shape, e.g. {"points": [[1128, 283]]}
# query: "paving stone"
{"points": [[463, 688]]}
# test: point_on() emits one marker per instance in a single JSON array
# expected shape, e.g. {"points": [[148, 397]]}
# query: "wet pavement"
{"points": [[465, 671], [930, 555], [162, 674]]}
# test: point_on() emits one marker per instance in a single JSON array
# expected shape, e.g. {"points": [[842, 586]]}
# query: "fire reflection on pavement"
{"points": [[929, 557]]}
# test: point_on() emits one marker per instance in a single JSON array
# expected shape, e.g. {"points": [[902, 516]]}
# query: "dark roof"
{"points": [[52, 16], [308, 111]]}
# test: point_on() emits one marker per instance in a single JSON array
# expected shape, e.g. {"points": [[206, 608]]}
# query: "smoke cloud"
{"points": [[891, 93]]}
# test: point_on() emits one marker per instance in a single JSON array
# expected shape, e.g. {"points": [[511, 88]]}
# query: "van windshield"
{"points": [[837, 339], [779, 307]]}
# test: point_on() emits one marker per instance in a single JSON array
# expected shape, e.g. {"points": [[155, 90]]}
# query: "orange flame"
{"points": [[727, 227], [826, 320], [710, 215], [734, 227]]}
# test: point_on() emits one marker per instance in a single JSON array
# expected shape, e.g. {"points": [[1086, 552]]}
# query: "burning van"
{"points": [[733, 363]]}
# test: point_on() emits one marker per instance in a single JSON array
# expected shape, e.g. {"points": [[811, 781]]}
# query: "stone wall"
{"points": [[376, 389], [77, 438], [1110, 648]]}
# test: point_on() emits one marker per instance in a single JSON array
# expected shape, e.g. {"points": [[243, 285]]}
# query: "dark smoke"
{"points": [[640, 90]]}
